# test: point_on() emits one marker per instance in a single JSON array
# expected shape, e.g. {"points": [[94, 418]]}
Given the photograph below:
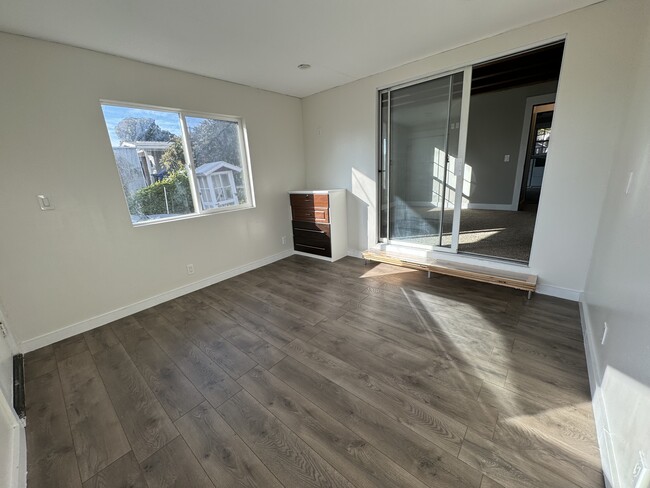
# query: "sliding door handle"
{"points": [[458, 167]]}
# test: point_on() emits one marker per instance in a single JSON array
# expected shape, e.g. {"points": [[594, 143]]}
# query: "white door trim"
{"points": [[13, 453], [523, 145]]}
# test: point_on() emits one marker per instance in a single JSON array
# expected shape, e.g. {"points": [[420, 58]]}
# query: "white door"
{"points": [[12, 433], [423, 133], [6, 361]]}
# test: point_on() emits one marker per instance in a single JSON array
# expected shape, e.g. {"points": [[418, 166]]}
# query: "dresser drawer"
{"points": [[309, 200], [319, 250], [314, 227], [310, 214], [311, 238]]}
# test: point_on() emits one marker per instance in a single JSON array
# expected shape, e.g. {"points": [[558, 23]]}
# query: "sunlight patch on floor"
{"points": [[559, 428], [376, 271]]}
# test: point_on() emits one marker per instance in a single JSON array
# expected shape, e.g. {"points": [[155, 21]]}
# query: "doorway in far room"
{"points": [[509, 129]]}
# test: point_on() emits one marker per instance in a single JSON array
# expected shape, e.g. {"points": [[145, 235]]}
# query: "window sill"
{"points": [[206, 213]]}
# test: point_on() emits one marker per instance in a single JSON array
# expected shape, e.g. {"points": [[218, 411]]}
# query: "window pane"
{"points": [[148, 150], [207, 200], [216, 148]]}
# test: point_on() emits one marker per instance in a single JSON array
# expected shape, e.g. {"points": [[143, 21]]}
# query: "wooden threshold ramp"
{"points": [[519, 281]]}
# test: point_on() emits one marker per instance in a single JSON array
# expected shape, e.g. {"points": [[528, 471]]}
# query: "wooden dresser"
{"points": [[319, 223]]}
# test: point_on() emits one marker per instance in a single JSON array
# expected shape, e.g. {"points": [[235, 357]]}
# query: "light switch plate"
{"points": [[45, 202]]}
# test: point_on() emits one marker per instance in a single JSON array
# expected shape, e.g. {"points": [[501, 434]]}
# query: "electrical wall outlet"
{"points": [[190, 269], [506, 158], [641, 472], [284, 240]]}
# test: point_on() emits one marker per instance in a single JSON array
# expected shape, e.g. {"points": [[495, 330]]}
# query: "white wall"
{"points": [[618, 286], [85, 259], [340, 133], [494, 130]]}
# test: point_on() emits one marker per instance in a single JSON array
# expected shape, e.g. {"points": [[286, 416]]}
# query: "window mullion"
{"points": [[191, 169], [246, 163]]}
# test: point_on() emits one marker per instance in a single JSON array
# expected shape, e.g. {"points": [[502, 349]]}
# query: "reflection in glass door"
{"points": [[421, 161]]}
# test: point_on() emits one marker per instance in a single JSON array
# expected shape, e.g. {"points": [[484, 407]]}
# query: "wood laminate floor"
{"points": [[305, 373]]}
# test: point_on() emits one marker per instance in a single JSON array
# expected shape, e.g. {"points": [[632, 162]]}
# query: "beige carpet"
{"points": [[501, 234], [497, 233]]}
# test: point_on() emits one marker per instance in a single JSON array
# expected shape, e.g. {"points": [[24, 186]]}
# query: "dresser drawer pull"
{"points": [[313, 247], [311, 230]]}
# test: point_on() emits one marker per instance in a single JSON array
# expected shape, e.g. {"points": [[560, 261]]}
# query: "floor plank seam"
{"points": [[476, 374], [290, 430], [67, 419]]}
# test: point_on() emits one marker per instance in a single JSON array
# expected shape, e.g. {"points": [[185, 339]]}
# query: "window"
{"points": [[173, 164]]}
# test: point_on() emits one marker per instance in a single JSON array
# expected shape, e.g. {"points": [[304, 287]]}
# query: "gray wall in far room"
{"points": [[495, 127]]}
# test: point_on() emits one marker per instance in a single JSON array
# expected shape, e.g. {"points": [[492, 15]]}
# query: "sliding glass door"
{"points": [[422, 141]]}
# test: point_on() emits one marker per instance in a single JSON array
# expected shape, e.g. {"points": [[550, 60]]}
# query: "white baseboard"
{"points": [[491, 206], [105, 318], [315, 256], [607, 458], [592, 365], [559, 292]]}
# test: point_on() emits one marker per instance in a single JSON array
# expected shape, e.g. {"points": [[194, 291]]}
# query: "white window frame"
{"points": [[230, 185], [199, 211], [204, 191]]}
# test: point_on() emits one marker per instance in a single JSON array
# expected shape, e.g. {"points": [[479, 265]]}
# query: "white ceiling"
{"points": [[260, 42]]}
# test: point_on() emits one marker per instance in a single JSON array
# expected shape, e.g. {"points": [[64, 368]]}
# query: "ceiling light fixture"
{"points": [[304, 66]]}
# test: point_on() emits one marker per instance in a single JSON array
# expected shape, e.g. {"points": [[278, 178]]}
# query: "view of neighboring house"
{"points": [[131, 172], [149, 154], [139, 166], [139, 163], [217, 184]]}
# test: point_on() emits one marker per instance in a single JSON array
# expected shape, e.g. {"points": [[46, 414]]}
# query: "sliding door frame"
{"points": [[450, 69], [458, 170]]}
